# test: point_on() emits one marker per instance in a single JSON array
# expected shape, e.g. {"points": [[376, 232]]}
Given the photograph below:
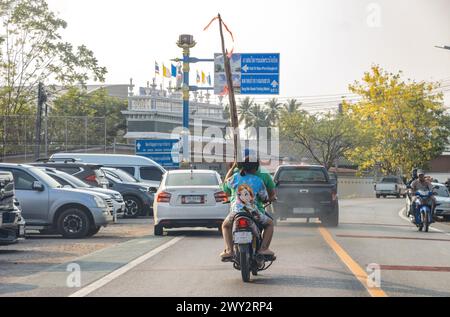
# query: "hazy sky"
{"points": [[324, 44]]}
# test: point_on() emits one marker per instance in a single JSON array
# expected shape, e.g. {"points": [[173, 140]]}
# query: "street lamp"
{"points": [[186, 42]]}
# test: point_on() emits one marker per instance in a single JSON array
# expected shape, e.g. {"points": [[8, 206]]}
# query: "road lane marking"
{"points": [[357, 271], [415, 268], [124, 269], [388, 237]]}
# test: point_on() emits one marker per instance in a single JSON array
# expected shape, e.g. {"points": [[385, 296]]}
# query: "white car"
{"points": [[190, 198], [443, 201]]}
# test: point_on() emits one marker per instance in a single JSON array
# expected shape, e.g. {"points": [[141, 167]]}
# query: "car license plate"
{"points": [[193, 200], [303, 211], [243, 237]]}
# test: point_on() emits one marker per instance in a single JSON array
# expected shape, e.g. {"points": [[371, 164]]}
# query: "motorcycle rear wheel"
{"points": [[244, 253]]}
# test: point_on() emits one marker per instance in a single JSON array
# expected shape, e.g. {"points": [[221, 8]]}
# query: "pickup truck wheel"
{"points": [[159, 230], [331, 220], [73, 223], [133, 207], [378, 196]]}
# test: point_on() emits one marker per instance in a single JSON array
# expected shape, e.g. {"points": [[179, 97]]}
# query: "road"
{"points": [[312, 261]]}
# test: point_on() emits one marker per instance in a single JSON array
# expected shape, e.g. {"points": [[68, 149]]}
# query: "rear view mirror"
{"points": [[38, 186]]}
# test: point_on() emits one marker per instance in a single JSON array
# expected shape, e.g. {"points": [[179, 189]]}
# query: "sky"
{"points": [[325, 45]]}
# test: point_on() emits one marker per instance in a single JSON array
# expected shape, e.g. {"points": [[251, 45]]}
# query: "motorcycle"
{"points": [[423, 216], [247, 240]]}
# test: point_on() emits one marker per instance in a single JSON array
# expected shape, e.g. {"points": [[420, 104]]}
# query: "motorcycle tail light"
{"points": [[163, 197], [243, 223]]}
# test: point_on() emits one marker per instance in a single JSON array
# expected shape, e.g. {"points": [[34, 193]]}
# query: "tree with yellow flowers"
{"points": [[401, 124]]}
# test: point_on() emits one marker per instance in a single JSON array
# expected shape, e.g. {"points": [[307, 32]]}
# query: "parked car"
{"points": [[190, 198], [306, 191], [88, 173], [49, 207], [142, 168], [71, 181], [390, 186], [138, 197], [12, 224]]}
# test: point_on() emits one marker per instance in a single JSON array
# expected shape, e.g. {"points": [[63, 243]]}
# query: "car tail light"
{"points": [[243, 223], [334, 196], [91, 178], [163, 197], [221, 197]]}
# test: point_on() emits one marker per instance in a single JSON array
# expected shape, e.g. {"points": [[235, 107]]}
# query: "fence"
{"points": [[59, 134]]}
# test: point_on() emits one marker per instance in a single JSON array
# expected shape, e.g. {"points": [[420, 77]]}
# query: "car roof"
{"points": [[300, 166], [186, 171], [66, 164], [12, 165], [115, 159]]}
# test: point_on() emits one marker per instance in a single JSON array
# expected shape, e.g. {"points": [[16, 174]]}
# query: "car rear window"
{"points": [[389, 180], [302, 176], [69, 170], [151, 174], [194, 179], [129, 170]]}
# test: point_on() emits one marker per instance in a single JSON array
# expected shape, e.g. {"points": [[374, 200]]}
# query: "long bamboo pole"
{"points": [[231, 96]]}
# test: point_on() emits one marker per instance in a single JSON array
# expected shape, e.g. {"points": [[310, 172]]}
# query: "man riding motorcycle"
{"points": [[246, 189], [422, 184]]}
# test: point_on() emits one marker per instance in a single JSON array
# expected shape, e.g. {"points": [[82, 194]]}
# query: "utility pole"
{"points": [[41, 100]]}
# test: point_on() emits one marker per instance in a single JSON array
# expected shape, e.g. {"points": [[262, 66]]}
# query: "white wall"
{"points": [[354, 187]]}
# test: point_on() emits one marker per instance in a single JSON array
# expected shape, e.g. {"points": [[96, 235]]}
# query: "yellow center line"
{"points": [[357, 271]]}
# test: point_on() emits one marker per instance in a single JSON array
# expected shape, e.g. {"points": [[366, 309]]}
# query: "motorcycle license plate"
{"points": [[243, 237]]}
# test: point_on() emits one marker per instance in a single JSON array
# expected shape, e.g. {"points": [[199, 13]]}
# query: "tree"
{"points": [[244, 111], [273, 111], [325, 138], [78, 102], [33, 51], [402, 123], [291, 106]]}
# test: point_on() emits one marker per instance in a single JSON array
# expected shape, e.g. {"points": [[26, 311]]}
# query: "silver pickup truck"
{"points": [[48, 207], [390, 186]]}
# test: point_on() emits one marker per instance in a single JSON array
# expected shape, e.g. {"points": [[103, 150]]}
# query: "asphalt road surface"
{"points": [[374, 252]]}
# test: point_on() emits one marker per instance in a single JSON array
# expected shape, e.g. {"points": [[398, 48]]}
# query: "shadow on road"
{"points": [[6, 289]]}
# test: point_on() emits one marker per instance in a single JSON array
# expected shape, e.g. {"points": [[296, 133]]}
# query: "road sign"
{"points": [[253, 74], [164, 152]]}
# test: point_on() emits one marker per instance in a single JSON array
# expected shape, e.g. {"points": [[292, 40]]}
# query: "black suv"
{"points": [[12, 225], [88, 173]]}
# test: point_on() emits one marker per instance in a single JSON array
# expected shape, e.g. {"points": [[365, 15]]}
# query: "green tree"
{"points": [[291, 106], [402, 123], [34, 51], [326, 138], [79, 103], [244, 111], [273, 111]]}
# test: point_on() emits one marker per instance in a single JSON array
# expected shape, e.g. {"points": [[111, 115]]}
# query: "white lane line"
{"points": [[124, 269], [401, 214]]}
